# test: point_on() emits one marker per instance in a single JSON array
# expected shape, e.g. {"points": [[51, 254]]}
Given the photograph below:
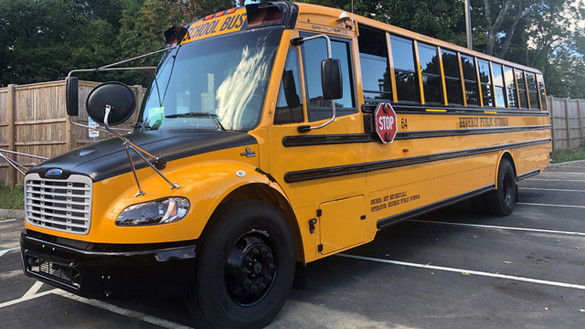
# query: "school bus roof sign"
{"points": [[217, 24], [385, 122]]}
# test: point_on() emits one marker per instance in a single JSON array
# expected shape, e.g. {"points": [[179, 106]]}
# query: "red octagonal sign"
{"points": [[385, 122]]}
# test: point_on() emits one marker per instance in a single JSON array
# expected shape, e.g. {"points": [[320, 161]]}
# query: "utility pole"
{"points": [[468, 24]]}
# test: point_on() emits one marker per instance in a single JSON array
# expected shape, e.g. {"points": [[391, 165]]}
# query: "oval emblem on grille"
{"points": [[54, 172]]}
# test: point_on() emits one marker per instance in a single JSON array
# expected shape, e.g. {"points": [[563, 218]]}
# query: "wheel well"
{"points": [[266, 194], [508, 156]]}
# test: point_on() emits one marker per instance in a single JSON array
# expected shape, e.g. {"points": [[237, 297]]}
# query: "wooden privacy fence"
{"points": [[568, 122], [33, 120]]}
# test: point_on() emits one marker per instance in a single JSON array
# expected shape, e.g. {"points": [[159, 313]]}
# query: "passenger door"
{"points": [[305, 164]]}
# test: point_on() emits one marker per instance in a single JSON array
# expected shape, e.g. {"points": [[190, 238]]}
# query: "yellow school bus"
{"points": [[281, 133]]}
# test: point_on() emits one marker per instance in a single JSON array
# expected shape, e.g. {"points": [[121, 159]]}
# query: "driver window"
{"points": [[289, 107]]}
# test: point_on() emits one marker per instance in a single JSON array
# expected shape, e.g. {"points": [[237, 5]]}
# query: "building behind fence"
{"points": [[33, 120]]}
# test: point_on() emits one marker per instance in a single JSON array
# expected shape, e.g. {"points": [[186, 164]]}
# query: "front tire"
{"points": [[501, 201], [246, 267]]}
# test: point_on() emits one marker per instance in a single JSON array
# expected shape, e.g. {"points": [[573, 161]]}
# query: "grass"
{"points": [[573, 154], [11, 198]]}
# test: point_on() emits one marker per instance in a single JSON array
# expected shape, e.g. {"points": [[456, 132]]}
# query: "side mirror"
{"points": [[331, 81], [290, 90], [72, 96], [115, 94]]}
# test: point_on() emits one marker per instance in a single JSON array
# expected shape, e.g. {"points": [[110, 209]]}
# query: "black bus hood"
{"points": [[108, 158]]}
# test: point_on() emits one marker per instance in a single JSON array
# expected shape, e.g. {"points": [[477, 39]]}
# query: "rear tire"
{"points": [[501, 201], [246, 267]]}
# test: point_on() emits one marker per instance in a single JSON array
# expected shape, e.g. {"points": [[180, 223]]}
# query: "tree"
{"points": [[44, 39]]}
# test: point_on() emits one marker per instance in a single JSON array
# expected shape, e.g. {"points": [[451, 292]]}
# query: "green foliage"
{"points": [[11, 198], [560, 156]]}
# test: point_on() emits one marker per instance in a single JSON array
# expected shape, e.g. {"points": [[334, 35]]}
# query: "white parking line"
{"points": [[32, 294], [551, 205], [495, 227], [24, 299], [555, 180], [4, 251], [467, 272], [34, 289], [122, 311], [7, 220], [550, 189]]}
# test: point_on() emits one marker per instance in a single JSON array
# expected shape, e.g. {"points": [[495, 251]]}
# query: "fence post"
{"points": [[567, 123], [551, 115], [580, 123], [10, 119]]}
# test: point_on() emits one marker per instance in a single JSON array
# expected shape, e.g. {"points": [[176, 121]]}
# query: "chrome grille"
{"points": [[59, 204]]}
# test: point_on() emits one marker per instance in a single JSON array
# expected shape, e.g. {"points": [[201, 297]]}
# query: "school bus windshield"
{"points": [[225, 76]]}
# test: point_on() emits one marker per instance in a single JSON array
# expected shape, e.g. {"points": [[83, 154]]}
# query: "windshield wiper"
{"points": [[211, 116]]}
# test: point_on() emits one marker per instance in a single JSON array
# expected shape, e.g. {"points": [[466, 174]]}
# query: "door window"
{"points": [[289, 107], [314, 52]]}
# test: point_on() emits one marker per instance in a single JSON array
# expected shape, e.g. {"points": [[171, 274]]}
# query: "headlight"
{"points": [[162, 211]]}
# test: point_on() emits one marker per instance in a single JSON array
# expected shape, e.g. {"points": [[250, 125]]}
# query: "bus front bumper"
{"points": [[109, 270]]}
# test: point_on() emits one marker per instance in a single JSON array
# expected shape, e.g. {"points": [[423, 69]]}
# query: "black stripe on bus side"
{"points": [[310, 174], [392, 220], [528, 174], [291, 141]]}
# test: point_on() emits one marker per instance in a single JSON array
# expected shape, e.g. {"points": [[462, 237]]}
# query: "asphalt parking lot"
{"points": [[448, 269]]}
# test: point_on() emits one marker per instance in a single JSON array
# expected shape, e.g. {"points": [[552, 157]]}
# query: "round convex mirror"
{"points": [[116, 94]]}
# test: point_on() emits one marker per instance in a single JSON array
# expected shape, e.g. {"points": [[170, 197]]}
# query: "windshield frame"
{"points": [[275, 33]]}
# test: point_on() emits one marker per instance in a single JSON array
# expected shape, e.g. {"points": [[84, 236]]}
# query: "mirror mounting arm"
{"points": [[298, 42], [128, 145]]}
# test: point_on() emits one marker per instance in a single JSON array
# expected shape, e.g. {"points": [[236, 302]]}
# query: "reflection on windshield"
{"points": [[234, 97], [226, 76]]}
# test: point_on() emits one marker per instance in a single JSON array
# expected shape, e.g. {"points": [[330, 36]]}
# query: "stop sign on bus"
{"points": [[385, 122]]}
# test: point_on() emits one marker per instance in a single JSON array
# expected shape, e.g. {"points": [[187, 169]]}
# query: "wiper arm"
{"points": [[211, 116], [141, 125]]}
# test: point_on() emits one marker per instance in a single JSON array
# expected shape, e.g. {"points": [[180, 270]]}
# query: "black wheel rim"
{"points": [[250, 268]]}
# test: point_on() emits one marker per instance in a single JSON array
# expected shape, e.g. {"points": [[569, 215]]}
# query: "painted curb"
{"points": [[11, 214], [566, 163]]}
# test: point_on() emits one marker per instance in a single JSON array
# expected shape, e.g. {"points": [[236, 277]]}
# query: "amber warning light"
{"points": [[263, 15]]}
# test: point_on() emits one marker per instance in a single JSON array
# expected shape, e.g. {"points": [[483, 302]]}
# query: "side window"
{"points": [[289, 107], [542, 92], [523, 100], [404, 69], [315, 51], [510, 86], [499, 85], [430, 69], [532, 90], [470, 77], [486, 84], [374, 64], [452, 77]]}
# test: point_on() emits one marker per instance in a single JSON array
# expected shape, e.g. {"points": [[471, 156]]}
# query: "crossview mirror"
{"points": [[118, 96], [331, 81], [72, 96]]}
